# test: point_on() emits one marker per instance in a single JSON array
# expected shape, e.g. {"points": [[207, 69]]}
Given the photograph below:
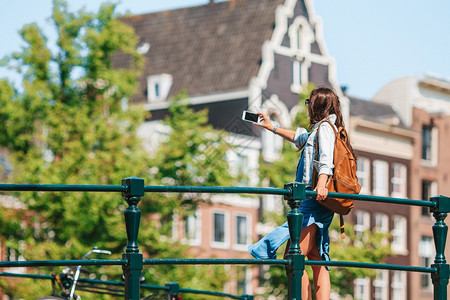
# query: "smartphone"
{"points": [[250, 117]]}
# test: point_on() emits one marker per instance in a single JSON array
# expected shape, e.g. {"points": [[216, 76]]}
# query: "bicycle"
{"points": [[68, 278]]}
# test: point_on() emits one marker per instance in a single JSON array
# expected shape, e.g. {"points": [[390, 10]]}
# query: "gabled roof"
{"points": [[209, 49]]}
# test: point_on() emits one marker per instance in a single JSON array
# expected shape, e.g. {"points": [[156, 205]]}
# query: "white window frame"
{"points": [[399, 285], [163, 82], [432, 191], [399, 235], [363, 173], [297, 76], [248, 229], [226, 243], [272, 203], [362, 288], [426, 253], [381, 222], [380, 285], [247, 280], [433, 146], [271, 144], [380, 178], [399, 181], [14, 255], [196, 220], [362, 222]]}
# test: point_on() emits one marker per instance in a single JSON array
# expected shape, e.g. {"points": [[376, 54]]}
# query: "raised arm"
{"points": [[298, 137], [287, 134]]}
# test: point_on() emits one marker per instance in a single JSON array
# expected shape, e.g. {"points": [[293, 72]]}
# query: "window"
{"points": [[14, 255], [426, 256], [382, 225], [242, 236], [380, 178], [272, 144], [380, 285], [273, 203], [300, 37], [363, 173], [381, 222], [242, 280], [429, 143], [398, 180], [296, 74], [398, 285], [399, 233], [192, 229], [158, 87], [426, 141], [429, 189], [362, 289], [362, 222], [220, 230]]}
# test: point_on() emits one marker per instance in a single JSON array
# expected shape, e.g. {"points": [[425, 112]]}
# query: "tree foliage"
{"points": [[68, 125]]}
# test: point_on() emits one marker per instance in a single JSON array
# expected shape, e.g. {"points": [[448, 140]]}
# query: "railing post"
{"points": [[295, 269], [174, 290], [440, 229], [134, 190]]}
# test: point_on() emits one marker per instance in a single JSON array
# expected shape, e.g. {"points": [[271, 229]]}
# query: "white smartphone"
{"points": [[250, 117]]}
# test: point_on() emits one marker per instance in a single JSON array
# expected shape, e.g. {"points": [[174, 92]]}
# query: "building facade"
{"points": [[230, 56], [385, 150], [423, 104]]}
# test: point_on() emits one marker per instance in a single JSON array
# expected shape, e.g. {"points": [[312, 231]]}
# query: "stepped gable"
{"points": [[208, 49]]}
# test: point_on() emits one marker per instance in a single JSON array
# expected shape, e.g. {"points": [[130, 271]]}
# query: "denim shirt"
{"points": [[305, 140]]}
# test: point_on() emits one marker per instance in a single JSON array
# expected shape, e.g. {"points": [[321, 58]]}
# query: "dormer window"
{"points": [[297, 78], [158, 87], [300, 37]]}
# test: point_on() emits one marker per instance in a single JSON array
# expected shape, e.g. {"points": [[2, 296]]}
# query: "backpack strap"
{"points": [[315, 175], [341, 219], [316, 150]]}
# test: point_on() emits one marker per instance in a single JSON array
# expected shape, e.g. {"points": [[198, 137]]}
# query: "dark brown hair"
{"points": [[324, 102]]}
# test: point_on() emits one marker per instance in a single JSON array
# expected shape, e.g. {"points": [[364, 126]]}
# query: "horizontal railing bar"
{"points": [[202, 189], [212, 261], [200, 261], [220, 294], [62, 188], [60, 263], [216, 189], [370, 266], [35, 276], [377, 199], [119, 283]]}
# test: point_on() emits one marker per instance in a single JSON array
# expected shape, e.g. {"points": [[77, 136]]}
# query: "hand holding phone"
{"points": [[251, 117]]}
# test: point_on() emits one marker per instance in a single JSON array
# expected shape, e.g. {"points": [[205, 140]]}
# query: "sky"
{"points": [[372, 42]]}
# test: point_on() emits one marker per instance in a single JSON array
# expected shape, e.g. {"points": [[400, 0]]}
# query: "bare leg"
{"points": [[307, 237], [321, 277], [306, 287]]}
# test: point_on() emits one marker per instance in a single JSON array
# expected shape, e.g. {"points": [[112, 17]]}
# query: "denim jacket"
{"points": [[304, 140]]}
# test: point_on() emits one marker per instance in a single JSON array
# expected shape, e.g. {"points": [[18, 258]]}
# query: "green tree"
{"points": [[67, 126], [375, 249], [193, 154]]}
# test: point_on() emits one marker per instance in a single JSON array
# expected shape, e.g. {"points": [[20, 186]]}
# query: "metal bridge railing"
{"points": [[132, 261]]}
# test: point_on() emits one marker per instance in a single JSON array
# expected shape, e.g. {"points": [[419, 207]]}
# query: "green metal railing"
{"points": [[132, 261]]}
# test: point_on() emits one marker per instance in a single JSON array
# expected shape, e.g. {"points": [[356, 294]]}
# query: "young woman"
{"points": [[323, 104]]}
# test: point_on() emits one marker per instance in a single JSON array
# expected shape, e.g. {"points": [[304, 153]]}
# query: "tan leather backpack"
{"points": [[344, 179]]}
